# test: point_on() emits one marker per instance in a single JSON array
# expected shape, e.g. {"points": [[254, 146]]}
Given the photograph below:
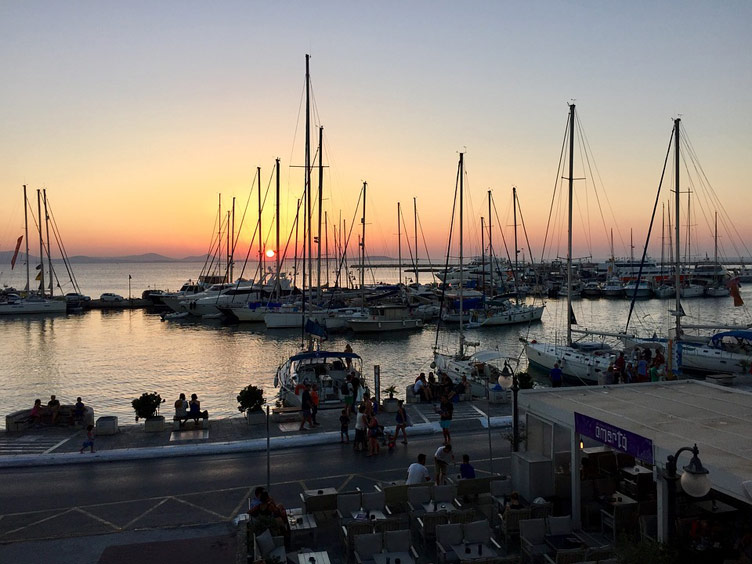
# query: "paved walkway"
{"points": [[57, 445]]}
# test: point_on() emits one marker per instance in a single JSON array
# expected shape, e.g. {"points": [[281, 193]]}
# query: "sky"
{"points": [[136, 116]]}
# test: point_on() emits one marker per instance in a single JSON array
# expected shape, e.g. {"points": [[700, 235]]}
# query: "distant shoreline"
{"points": [[6, 256]]}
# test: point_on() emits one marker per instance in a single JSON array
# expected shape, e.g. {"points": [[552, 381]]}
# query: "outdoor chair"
{"points": [[373, 501], [399, 541], [541, 510], [510, 524], [267, 547], [477, 531], [445, 494], [500, 490], [351, 530], [417, 496], [462, 516], [648, 528], [600, 553], [392, 523], [427, 526], [346, 504], [533, 539], [561, 525], [566, 556], [448, 536], [365, 546]]}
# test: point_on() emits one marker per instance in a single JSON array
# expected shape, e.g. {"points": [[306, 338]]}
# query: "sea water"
{"points": [[111, 357]]}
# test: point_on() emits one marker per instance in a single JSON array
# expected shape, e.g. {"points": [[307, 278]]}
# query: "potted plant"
{"points": [[251, 402], [390, 404], [147, 408]]}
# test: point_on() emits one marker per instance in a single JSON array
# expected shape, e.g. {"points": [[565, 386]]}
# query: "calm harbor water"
{"points": [[111, 357]]}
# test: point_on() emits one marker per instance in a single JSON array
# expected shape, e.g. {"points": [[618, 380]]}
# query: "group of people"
{"points": [[417, 472], [185, 410], [428, 389], [52, 410], [642, 366]]}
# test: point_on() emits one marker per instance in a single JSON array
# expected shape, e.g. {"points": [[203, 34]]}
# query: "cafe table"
{"points": [[473, 551], [430, 507], [393, 558], [715, 507], [373, 515], [321, 557], [566, 541], [302, 525]]}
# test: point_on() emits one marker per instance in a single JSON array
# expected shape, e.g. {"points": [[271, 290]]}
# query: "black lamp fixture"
{"points": [[694, 482], [508, 380]]}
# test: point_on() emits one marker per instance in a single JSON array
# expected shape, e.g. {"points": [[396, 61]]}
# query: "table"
{"points": [[473, 551], [375, 515], [393, 558], [715, 507], [635, 471], [620, 499], [564, 542], [441, 506], [321, 557], [302, 525]]}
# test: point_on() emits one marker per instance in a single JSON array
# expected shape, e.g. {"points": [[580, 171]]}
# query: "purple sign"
{"points": [[619, 439]]}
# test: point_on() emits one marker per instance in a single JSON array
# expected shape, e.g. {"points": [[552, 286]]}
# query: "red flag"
{"points": [[733, 286], [15, 255]]}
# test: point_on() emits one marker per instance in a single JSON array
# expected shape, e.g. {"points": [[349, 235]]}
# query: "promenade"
{"points": [[159, 491]]}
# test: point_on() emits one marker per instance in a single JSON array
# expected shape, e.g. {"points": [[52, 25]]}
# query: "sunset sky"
{"points": [[135, 116]]}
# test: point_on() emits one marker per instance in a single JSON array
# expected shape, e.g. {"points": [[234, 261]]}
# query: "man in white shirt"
{"points": [[441, 459], [417, 473]]}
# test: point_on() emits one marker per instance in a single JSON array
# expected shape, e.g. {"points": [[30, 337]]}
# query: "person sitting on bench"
{"points": [[181, 410], [195, 412]]}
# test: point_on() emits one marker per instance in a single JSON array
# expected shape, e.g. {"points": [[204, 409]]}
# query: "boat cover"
{"points": [[718, 337], [313, 355]]}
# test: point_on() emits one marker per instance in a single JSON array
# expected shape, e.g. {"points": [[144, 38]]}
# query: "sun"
{"points": [[270, 253]]}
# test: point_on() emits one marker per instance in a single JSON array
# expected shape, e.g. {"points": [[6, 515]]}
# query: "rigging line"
{"points": [[425, 247], [240, 228], [446, 263], [527, 240], [347, 239], [650, 229], [62, 248], [556, 184], [409, 247]]}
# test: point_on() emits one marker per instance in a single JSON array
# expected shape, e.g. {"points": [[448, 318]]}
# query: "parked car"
{"points": [[74, 297], [110, 297]]}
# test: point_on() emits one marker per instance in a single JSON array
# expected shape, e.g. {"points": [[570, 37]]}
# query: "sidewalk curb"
{"points": [[252, 445]]}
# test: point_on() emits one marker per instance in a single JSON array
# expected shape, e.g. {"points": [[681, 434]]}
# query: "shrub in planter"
{"points": [[147, 405], [251, 399], [391, 390]]}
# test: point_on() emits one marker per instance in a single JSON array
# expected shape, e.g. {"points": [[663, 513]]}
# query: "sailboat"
{"points": [[32, 302], [586, 362]]}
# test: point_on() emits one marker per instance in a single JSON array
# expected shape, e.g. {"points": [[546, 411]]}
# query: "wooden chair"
{"points": [[533, 539], [427, 526], [447, 536], [566, 556], [510, 524], [365, 546]]}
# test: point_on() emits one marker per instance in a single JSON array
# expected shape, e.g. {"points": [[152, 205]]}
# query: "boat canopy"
{"points": [[313, 355], [718, 337]]}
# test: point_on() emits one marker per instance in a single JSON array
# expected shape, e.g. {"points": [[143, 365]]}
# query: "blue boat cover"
{"points": [[313, 355], [738, 334]]}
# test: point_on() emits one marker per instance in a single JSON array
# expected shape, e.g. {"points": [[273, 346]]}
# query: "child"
{"points": [[89, 442], [466, 469], [344, 427]]}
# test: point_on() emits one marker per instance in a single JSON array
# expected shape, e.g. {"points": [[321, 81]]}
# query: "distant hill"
{"points": [[6, 256]]}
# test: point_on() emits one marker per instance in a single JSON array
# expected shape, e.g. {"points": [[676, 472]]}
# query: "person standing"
{"points": [[314, 403], [361, 423], [417, 473], [306, 404], [442, 458], [446, 409], [556, 376], [344, 427], [373, 435], [620, 367], [401, 422], [89, 442]]}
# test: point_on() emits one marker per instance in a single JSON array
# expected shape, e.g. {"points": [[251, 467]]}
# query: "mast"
{"points": [[491, 261], [307, 225], [276, 244], [26, 235], [219, 233], [363, 251], [516, 250], [232, 242], [677, 247], [483, 255], [462, 269], [326, 247], [663, 238], [41, 245], [262, 264], [569, 234], [321, 189], [399, 246], [47, 229], [415, 223], [715, 250]]}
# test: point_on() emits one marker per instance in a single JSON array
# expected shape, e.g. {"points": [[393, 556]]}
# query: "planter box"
{"points": [[154, 424], [256, 417], [107, 425], [390, 405]]}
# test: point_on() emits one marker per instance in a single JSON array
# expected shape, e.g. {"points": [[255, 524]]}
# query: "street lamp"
{"points": [[694, 482], [508, 380]]}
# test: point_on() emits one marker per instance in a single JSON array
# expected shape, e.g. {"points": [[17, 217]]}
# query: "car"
{"points": [[110, 297], [74, 297]]}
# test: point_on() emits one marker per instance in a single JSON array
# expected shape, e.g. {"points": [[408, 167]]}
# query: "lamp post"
{"points": [[694, 481], [508, 375]]}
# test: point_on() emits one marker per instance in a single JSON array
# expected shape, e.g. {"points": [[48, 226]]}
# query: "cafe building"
{"points": [[621, 459]]}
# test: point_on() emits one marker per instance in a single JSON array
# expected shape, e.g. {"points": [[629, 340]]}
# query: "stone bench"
{"points": [[281, 414], [203, 416], [21, 420]]}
